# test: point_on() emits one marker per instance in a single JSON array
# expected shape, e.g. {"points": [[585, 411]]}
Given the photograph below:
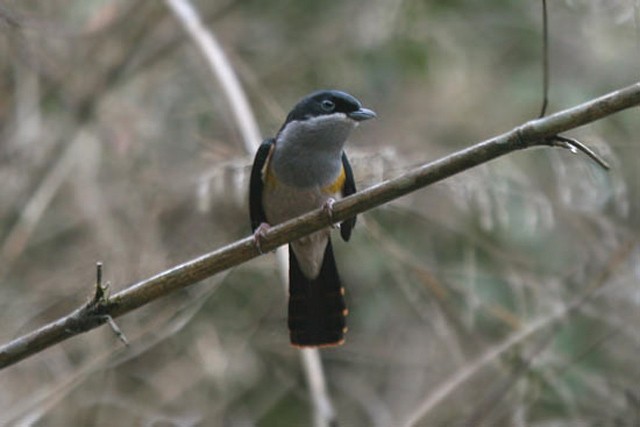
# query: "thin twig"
{"points": [[560, 141], [574, 146], [545, 60], [116, 330], [531, 134], [100, 298], [100, 290], [636, 25]]}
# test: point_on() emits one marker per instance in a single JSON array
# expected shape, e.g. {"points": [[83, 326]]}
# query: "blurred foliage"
{"points": [[116, 144]]}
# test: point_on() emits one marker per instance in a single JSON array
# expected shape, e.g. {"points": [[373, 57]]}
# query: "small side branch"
{"points": [[539, 132], [100, 295], [116, 330], [574, 146], [545, 59], [100, 301]]}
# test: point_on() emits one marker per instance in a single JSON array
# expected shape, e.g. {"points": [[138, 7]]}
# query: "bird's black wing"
{"points": [[348, 188], [256, 184]]}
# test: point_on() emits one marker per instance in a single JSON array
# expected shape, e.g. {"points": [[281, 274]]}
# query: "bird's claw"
{"points": [[259, 234], [328, 208]]}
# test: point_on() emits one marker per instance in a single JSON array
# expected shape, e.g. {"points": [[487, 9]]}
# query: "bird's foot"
{"points": [[328, 208], [258, 235]]}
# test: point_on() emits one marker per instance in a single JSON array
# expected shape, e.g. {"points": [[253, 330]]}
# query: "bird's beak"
{"points": [[361, 114]]}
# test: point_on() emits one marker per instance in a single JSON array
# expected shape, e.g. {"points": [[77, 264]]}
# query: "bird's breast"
{"points": [[282, 201]]}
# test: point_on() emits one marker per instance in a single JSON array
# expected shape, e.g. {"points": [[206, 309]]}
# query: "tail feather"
{"points": [[317, 311]]}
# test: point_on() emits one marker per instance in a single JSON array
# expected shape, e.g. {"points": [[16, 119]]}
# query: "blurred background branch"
{"points": [[323, 412]]}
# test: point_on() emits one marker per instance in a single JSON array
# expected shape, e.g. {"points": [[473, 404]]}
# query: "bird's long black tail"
{"points": [[317, 311]]}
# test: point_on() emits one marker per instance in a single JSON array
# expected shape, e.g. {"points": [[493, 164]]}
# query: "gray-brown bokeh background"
{"points": [[116, 144]]}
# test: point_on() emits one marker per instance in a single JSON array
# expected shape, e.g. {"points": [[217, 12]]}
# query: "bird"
{"points": [[304, 167]]}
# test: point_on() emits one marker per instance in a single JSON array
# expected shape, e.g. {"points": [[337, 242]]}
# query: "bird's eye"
{"points": [[327, 105]]}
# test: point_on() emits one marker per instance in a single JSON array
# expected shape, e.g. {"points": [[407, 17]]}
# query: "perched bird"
{"points": [[304, 168]]}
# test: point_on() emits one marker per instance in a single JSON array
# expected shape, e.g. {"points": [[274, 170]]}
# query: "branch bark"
{"points": [[539, 132]]}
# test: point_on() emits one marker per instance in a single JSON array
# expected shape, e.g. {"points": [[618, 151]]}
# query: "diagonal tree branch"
{"points": [[539, 132]]}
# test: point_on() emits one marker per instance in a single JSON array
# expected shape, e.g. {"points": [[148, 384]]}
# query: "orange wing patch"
{"points": [[268, 177], [337, 185]]}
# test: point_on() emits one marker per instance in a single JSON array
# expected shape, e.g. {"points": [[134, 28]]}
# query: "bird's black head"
{"points": [[326, 103]]}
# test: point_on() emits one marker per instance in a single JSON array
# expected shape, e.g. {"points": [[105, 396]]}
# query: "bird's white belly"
{"points": [[282, 202]]}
